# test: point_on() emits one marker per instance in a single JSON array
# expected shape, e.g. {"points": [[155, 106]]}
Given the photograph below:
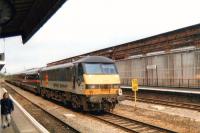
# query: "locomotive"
{"points": [[91, 83]]}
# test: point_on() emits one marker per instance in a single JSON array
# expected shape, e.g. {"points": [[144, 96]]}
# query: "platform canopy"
{"points": [[25, 17]]}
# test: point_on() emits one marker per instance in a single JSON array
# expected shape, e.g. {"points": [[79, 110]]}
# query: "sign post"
{"points": [[135, 89]]}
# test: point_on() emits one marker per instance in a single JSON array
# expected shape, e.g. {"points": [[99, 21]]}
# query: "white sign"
{"points": [[151, 66]]}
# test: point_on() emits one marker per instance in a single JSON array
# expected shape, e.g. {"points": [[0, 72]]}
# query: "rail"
{"points": [[130, 125], [166, 103], [133, 125]]}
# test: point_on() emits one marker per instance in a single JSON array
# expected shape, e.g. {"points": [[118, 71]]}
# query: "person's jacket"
{"points": [[6, 106]]}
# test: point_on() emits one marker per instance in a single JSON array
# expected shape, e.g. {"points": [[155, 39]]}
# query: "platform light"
{"points": [[6, 11]]}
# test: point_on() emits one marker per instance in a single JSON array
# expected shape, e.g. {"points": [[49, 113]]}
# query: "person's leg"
{"points": [[4, 121], [1, 120], [8, 117]]}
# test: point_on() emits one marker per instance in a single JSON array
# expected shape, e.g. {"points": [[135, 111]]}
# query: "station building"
{"points": [[170, 59]]}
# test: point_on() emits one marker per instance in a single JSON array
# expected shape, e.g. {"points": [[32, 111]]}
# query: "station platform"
{"points": [[165, 89], [21, 121], [8, 129]]}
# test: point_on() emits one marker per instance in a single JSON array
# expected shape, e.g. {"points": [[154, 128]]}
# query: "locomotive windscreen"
{"points": [[97, 68]]}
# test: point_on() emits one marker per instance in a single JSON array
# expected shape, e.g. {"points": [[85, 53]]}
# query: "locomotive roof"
{"points": [[95, 59], [88, 59], [57, 66]]}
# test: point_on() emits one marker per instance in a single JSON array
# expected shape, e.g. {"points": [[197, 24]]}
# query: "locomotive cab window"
{"points": [[100, 68], [109, 68]]}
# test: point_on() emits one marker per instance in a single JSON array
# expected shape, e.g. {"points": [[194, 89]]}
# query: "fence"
{"points": [[182, 83], [174, 69]]}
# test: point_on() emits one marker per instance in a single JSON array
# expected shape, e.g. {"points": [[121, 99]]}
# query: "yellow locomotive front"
{"points": [[100, 83]]}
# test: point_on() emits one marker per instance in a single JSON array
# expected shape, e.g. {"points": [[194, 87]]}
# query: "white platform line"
{"points": [[32, 120]]}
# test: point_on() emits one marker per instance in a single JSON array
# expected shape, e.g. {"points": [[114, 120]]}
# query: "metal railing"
{"points": [[180, 83]]}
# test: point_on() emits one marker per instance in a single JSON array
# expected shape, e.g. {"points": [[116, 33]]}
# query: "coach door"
{"points": [[78, 75], [74, 76]]}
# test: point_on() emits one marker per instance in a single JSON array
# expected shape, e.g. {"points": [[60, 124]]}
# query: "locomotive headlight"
{"points": [[120, 92], [92, 87]]}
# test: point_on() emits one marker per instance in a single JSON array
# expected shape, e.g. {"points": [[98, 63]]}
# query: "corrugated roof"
{"points": [[29, 16], [184, 37]]}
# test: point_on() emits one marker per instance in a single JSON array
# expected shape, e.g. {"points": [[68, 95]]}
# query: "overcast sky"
{"points": [[82, 26]]}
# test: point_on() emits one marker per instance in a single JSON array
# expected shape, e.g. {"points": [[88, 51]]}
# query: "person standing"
{"points": [[6, 109]]}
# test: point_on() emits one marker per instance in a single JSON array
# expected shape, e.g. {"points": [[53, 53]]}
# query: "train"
{"points": [[91, 83]]}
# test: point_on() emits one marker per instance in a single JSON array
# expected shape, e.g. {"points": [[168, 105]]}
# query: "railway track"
{"points": [[166, 103], [130, 125], [50, 122], [124, 123]]}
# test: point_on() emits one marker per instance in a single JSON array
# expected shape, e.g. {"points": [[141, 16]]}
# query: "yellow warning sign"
{"points": [[135, 85]]}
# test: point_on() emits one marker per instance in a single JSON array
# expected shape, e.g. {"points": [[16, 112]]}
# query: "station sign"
{"points": [[151, 66], [135, 85], [135, 89]]}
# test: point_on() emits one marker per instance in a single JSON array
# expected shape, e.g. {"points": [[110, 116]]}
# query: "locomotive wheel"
{"points": [[43, 93], [76, 103]]}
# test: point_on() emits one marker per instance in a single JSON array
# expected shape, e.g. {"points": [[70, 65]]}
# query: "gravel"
{"points": [[51, 123]]}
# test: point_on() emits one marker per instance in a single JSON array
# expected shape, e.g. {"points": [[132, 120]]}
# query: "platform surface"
{"points": [[164, 89], [22, 121]]}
